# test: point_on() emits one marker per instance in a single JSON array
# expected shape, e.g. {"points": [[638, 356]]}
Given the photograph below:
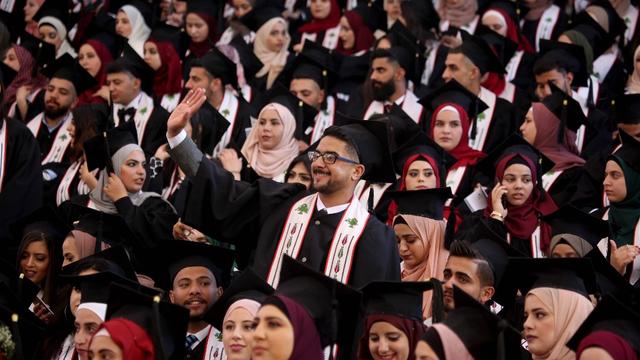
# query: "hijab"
{"points": [[431, 233], [633, 84], [536, 9], [413, 329], [251, 306], [565, 154], [459, 15], [168, 78], [577, 38], [100, 200], [86, 243], [521, 221], [273, 62], [133, 340], [615, 345], [101, 77], [451, 345], [139, 29], [580, 245], [318, 25], [621, 7], [513, 31], [624, 215], [569, 310], [465, 155], [273, 162], [306, 339], [363, 36], [61, 30], [202, 47], [24, 75]]}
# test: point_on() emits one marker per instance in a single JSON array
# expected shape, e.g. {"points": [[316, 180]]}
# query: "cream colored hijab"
{"points": [[569, 310], [273, 62], [273, 162], [633, 85], [431, 232]]}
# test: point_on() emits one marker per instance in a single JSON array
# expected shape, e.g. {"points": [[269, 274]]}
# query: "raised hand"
{"points": [[184, 111]]}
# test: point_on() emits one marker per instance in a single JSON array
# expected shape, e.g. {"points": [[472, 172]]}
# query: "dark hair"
{"points": [[302, 158], [85, 123], [463, 249], [338, 133], [546, 64], [49, 283], [119, 67], [211, 72], [385, 53]]}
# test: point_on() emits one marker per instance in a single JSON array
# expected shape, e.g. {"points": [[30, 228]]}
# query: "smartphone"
{"points": [[503, 198], [37, 301]]}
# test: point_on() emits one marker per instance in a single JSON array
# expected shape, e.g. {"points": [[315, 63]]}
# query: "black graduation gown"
{"points": [[45, 141], [252, 217], [612, 86], [589, 188], [35, 107], [22, 183], [521, 103], [566, 185], [529, 28], [155, 133], [469, 228], [598, 135], [51, 182]]}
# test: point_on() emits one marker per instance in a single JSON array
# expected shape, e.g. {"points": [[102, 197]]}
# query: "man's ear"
{"points": [[401, 74], [137, 83], [171, 297], [358, 171], [487, 293], [569, 78]]}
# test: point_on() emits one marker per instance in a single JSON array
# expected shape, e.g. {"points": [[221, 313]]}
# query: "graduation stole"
{"points": [[343, 245], [454, 177], [329, 40], [144, 109], [214, 349], [61, 141], [409, 104], [362, 192], [549, 178], [62, 194], [509, 92], [483, 120], [174, 184], [513, 65], [324, 119], [534, 243], [631, 20], [170, 101], [546, 24], [228, 109], [3, 151]]}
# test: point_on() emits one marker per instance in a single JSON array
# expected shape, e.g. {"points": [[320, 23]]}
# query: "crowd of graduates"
{"points": [[320, 179]]}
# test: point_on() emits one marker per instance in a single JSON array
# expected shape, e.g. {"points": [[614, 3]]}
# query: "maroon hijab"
{"points": [[615, 345], [363, 36], [168, 78], [306, 339], [522, 220], [465, 155], [200, 48], [413, 329], [318, 25], [101, 77], [24, 75]]}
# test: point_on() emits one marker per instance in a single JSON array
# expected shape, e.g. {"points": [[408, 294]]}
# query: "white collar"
{"points": [[331, 210], [201, 335]]}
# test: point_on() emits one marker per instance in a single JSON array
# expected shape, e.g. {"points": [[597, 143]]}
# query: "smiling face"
{"points": [[331, 178], [132, 172], [447, 130], [270, 129], [197, 28], [195, 288], [123, 24], [347, 36], [273, 337], [410, 246], [237, 334], [615, 186], [420, 176], [34, 261], [388, 342], [539, 329], [519, 182]]}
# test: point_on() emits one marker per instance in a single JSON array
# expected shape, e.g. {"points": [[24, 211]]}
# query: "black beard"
{"points": [[384, 91], [55, 113]]}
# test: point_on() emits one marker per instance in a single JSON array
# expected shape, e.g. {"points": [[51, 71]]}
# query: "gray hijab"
{"points": [[580, 245]]}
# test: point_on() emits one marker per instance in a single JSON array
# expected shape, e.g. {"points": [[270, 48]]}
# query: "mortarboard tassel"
{"points": [[370, 201], [300, 120], [563, 121], [155, 319], [16, 336], [450, 229], [501, 353], [334, 323], [590, 102], [474, 122], [437, 303]]}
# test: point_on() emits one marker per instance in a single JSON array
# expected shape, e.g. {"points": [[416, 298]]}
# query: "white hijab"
{"points": [[61, 29], [139, 29]]}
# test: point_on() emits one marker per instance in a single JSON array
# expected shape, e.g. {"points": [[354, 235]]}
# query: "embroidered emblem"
{"points": [[219, 338], [303, 209], [225, 112], [63, 137], [143, 110], [352, 222], [548, 19], [481, 116]]}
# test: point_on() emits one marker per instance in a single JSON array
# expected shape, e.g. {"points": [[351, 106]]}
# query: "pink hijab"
{"points": [[565, 154], [273, 162], [86, 243], [569, 310], [452, 346], [431, 232]]}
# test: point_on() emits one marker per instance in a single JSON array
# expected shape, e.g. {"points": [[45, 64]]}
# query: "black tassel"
{"points": [[590, 103], [474, 124], [437, 302], [157, 333], [563, 120], [333, 322], [370, 201], [450, 230], [300, 120], [501, 353]]}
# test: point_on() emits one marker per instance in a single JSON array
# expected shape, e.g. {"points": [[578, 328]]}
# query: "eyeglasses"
{"points": [[329, 157]]}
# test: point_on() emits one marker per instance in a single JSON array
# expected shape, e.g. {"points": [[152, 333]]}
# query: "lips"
{"points": [[237, 347], [258, 350], [195, 302], [29, 273]]}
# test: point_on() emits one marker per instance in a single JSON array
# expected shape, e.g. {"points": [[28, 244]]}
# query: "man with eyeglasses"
{"points": [[329, 229]]}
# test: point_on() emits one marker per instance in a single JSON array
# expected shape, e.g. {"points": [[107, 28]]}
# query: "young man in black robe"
{"points": [[330, 231]]}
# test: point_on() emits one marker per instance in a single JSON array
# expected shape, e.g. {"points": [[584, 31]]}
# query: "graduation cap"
{"points": [[7, 75], [247, 285], [401, 125], [99, 149], [206, 7], [116, 258], [403, 38], [625, 109], [250, 62], [610, 281], [629, 151], [259, 15], [496, 251], [53, 9], [504, 47], [614, 316], [371, 141], [143, 7], [427, 203], [132, 62], [599, 38], [515, 144], [421, 143], [569, 56], [214, 126], [43, 52], [481, 54], [178, 39], [220, 66], [13, 18], [43, 220], [333, 306], [173, 256], [490, 337], [106, 228], [573, 274], [65, 67], [27, 330], [112, 42], [95, 287], [373, 14], [569, 220], [304, 114], [315, 62], [566, 109], [166, 323], [401, 298]]}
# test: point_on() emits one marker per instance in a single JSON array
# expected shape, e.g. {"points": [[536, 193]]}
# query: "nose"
{"points": [[402, 246], [189, 85], [258, 333], [383, 346], [527, 323], [446, 75], [30, 261]]}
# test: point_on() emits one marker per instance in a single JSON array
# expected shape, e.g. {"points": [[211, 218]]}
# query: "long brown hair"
{"points": [[48, 285]]}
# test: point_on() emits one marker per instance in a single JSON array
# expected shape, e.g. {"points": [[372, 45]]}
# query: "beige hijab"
{"points": [[273, 162], [569, 310], [633, 84], [273, 62], [431, 233]]}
